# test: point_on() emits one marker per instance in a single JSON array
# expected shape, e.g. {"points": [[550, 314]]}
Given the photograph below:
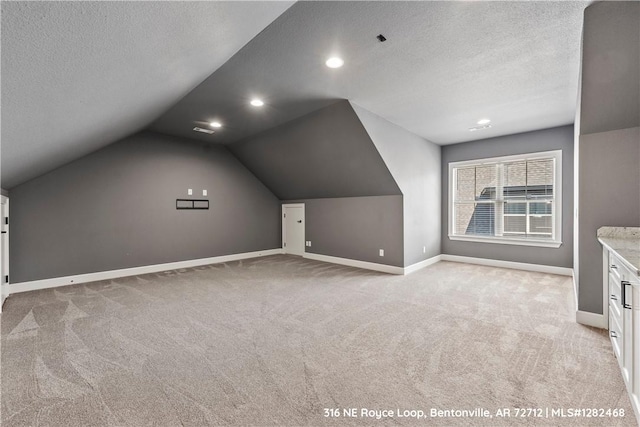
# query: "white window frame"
{"points": [[554, 242], [527, 215]]}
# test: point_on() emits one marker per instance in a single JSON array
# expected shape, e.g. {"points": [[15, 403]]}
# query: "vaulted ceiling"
{"points": [[444, 66], [325, 154], [79, 75]]}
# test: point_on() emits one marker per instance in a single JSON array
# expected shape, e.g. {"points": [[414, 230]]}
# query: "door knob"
{"points": [[299, 221]]}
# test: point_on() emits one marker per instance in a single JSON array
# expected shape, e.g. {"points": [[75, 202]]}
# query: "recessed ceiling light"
{"points": [[484, 121], [215, 124], [257, 102], [207, 131], [334, 62]]}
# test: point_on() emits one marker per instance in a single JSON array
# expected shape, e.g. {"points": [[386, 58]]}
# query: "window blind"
{"points": [[511, 198]]}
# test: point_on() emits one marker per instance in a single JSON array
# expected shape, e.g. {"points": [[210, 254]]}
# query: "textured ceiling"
{"points": [[79, 75], [444, 66]]}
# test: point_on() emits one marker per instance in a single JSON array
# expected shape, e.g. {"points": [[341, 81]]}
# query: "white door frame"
{"points": [[4, 287], [284, 226]]}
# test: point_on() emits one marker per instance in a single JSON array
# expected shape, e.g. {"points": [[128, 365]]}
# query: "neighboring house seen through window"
{"points": [[512, 200]]}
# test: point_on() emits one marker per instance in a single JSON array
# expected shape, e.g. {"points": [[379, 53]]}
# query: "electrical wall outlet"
{"points": [[204, 192], [381, 252], [190, 191], [308, 243]]}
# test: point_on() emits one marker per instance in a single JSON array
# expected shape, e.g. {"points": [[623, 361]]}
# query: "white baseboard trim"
{"points": [[563, 271], [422, 264], [134, 271], [373, 265], [575, 289], [355, 263], [592, 319], [443, 257]]}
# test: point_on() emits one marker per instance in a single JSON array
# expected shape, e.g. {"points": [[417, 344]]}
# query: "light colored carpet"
{"points": [[275, 340]]}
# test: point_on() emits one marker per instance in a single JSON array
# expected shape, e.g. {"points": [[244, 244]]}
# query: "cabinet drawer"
{"points": [[616, 312], [615, 334], [620, 271], [615, 306], [614, 265], [615, 294]]}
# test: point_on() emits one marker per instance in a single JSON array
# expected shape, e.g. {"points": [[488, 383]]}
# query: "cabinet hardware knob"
{"points": [[613, 334]]}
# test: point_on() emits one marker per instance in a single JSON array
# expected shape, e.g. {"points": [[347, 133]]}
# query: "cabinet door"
{"points": [[627, 340], [635, 348]]}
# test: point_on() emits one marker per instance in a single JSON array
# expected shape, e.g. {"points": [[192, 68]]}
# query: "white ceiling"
{"points": [[444, 66], [80, 75]]}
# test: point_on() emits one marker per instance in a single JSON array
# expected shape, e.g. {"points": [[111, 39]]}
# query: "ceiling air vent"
{"points": [[473, 129], [207, 131]]}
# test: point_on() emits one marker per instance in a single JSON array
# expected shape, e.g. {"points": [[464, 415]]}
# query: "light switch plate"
{"points": [[381, 252], [204, 192], [190, 191]]}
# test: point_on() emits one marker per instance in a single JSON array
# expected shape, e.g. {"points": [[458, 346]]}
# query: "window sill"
{"points": [[508, 241]]}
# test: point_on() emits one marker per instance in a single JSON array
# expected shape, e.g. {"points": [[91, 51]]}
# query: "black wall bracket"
{"points": [[192, 204]]}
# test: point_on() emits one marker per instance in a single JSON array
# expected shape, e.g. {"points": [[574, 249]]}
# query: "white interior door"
{"points": [[4, 249], [293, 229]]}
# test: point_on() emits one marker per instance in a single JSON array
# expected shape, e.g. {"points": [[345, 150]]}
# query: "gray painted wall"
{"points": [[323, 154], [608, 143], [610, 67], [560, 138], [609, 195], [115, 209], [355, 228], [327, 160], [415, 164]]}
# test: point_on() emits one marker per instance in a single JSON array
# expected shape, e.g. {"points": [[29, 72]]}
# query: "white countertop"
{"points": [[624, 242]]}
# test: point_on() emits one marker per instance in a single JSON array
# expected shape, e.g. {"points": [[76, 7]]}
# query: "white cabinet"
{"points": [[624, 322], [4, 249]]}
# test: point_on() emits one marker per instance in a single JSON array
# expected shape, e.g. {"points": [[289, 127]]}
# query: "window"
{"points": [[512, 200]]}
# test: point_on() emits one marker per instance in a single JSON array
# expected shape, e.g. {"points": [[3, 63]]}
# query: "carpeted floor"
{"points": [[276, 340]]}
